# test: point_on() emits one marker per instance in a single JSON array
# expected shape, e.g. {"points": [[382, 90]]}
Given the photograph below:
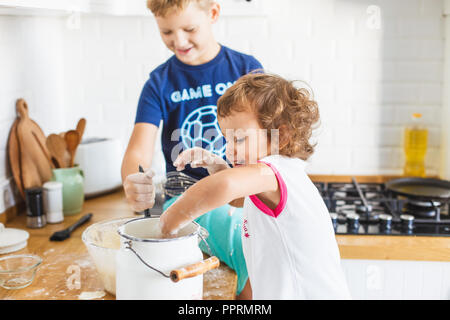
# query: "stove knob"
{"points": [[407, 221], [353, 221], [385, 221], [334, 220]]}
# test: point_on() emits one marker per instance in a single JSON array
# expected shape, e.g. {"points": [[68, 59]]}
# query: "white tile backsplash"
{"points": [[31, 67], [445, 111], [366, 80]]}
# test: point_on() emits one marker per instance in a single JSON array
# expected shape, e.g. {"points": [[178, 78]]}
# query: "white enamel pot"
{"points": [[149, 267]]}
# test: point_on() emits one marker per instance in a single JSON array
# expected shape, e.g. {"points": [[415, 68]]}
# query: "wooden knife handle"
{"points": [[194, 269]]}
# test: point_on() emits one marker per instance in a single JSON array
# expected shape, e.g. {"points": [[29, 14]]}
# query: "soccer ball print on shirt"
{"points": [[201, 129]]}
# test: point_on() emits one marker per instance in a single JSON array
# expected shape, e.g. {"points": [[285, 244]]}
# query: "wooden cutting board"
{"points": [[14, 157], [35, 161]]}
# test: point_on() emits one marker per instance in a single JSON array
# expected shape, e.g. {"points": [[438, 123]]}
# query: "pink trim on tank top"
{"points": [[283, 196]]}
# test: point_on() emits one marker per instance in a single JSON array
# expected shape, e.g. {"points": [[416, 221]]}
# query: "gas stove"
{"points": [[370, 209]]}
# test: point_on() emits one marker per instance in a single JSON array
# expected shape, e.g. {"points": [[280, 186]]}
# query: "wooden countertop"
{"points": [[412, 248], [67, 261], [59, 257]]}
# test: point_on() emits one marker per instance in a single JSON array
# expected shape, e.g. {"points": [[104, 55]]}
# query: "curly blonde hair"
{"points": [[161, 7], [278, 104]]}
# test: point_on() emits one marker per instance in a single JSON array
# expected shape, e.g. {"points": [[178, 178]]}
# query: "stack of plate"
{"points": [[12, 239]]}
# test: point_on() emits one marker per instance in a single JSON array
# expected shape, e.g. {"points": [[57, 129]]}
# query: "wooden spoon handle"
{"points": [[81, 125], [195, 269]]}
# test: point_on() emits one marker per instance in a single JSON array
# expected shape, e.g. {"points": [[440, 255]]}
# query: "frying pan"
{"points": [[420, 188]]}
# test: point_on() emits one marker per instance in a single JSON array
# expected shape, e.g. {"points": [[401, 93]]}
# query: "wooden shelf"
{"points": [[43, 7], [55, 7], [114, 7], [120, 7]]}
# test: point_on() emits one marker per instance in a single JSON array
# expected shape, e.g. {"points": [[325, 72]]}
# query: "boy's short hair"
{"points": [[161, 7], [278, 104]]}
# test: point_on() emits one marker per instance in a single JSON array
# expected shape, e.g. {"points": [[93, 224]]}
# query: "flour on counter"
{"points": [[49, 251], [90, 295], [215, 280]]}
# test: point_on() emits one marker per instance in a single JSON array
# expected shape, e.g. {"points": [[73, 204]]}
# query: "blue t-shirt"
{"points": [[184, 97]]}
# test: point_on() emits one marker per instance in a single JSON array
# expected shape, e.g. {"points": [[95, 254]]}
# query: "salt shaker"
{"points": [[53, 201], [35, 211]]}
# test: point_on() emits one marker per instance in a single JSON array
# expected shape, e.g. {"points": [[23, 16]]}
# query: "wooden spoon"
{"points": [[72, 140], [57, 147], [81, 125]]}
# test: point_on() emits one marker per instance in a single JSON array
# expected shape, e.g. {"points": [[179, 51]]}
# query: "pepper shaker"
{"points": [[35, 210]]}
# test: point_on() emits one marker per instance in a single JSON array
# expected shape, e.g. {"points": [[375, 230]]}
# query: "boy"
{"points": [[185, 89]]}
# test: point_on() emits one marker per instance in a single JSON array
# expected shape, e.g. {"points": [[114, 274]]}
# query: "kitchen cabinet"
{"points": [[397, 279]]}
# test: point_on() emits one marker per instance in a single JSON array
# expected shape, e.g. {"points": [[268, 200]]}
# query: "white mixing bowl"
{"points": [[103, 242]]}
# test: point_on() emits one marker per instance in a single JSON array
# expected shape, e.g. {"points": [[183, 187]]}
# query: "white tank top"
{"points": [[291, 251]]}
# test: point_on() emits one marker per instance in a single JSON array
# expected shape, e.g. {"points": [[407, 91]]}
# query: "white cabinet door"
{"points": [[395, 280]]}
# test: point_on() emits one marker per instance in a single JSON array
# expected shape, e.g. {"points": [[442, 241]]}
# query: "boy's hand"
{"points": [[139, 190], [198, 157]]}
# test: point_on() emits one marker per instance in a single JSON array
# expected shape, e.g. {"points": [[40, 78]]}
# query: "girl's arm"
{"points": [[199, 157], [215, 191]]}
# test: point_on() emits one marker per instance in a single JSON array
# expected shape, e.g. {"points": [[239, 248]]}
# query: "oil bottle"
{"points": [[415, 147]]}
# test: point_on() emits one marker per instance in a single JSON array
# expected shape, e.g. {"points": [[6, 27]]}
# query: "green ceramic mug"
{"points": [[72, 180]]}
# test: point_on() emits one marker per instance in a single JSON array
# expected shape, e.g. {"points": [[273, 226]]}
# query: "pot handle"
{"points": [[194, 269], [189, 271]]}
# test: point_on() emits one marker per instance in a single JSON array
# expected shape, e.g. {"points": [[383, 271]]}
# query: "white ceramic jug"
{"points": [[149, 267]]}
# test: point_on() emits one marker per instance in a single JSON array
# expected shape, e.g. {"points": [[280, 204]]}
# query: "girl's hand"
{"points": [[139, 190], [172, 221], [167, 230], [198, 157]]}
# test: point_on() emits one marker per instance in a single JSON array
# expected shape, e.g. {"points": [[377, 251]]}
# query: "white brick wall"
{"points": [[445, 137], [31, 66], [367, 81]]}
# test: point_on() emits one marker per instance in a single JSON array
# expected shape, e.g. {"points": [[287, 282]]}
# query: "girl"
{"points": [[287, 236]]}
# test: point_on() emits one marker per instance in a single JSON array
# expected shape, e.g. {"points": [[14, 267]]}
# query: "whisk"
{"points": [[176, 183]]}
